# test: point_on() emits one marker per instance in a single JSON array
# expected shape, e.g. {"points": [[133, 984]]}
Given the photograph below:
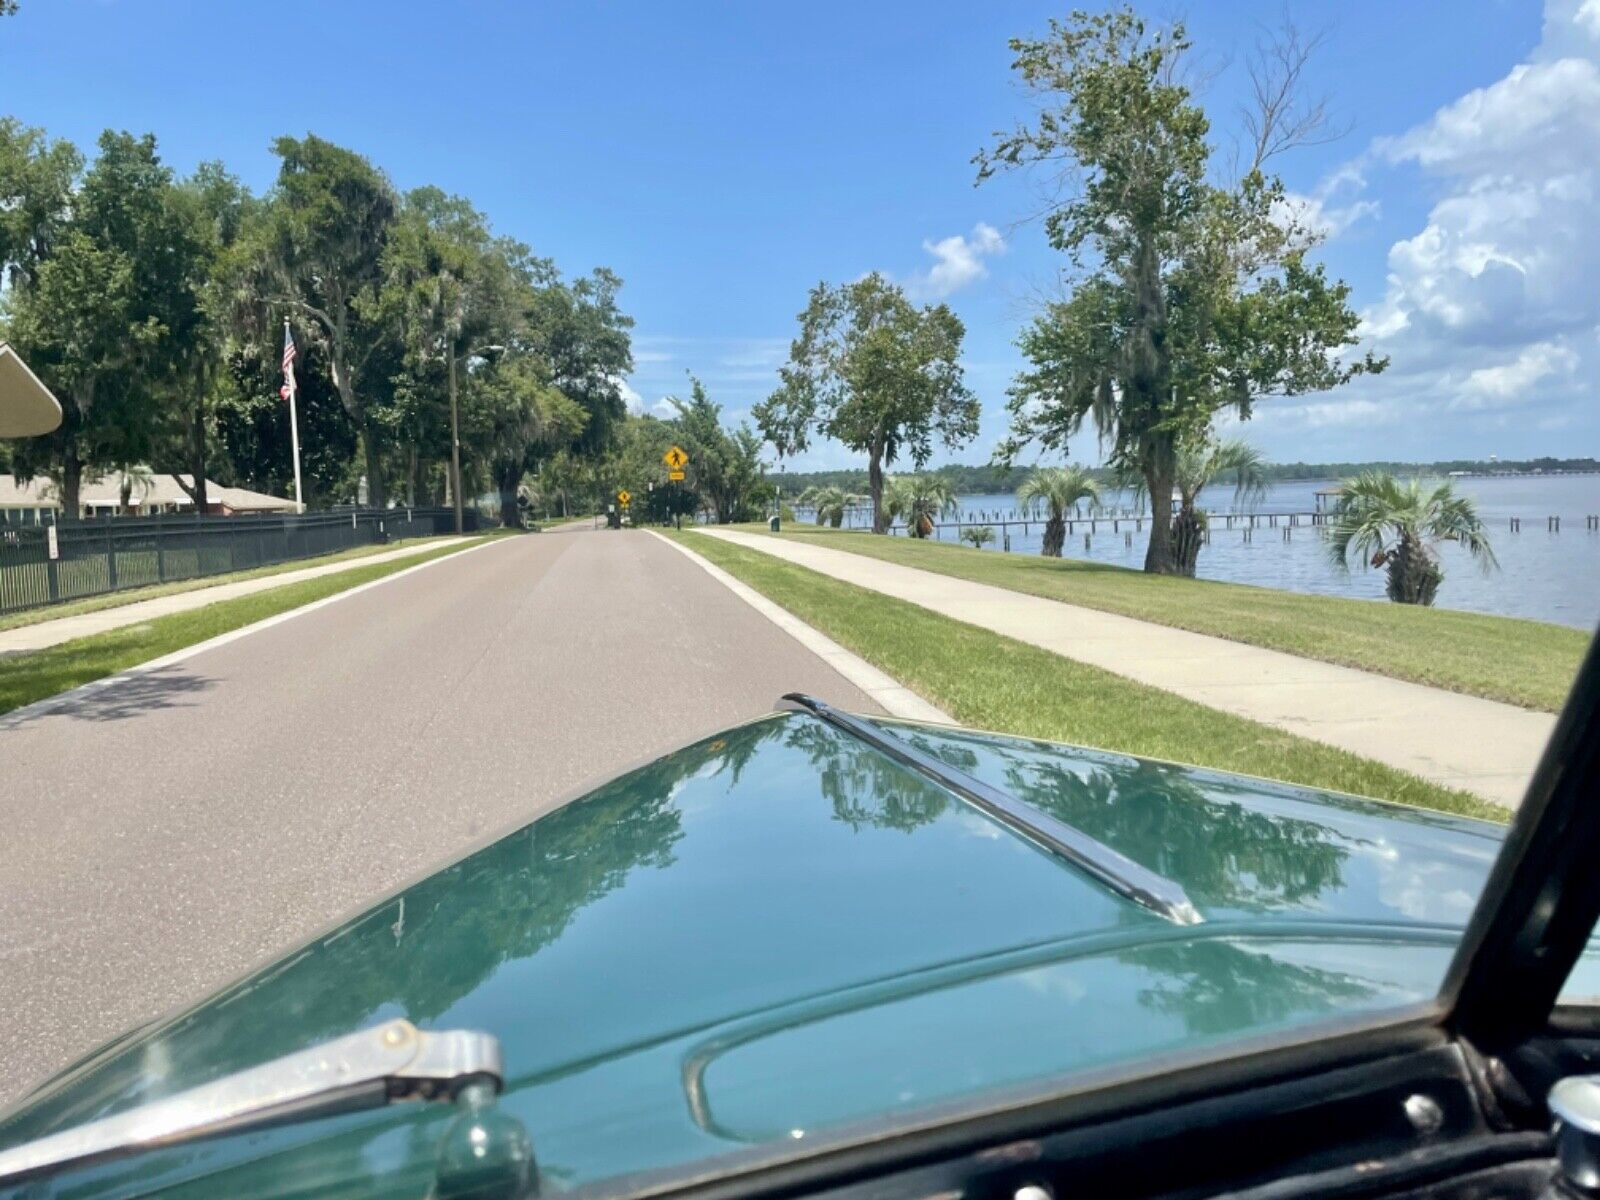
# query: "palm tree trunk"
{"points": [[1055, 535], [1414, 573], [1188, 531]]}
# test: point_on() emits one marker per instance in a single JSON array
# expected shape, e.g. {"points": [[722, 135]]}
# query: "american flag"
{"points": [[288, 361]]}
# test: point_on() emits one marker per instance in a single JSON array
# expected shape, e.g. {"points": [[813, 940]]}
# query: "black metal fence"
{"points": [[47, 564]]}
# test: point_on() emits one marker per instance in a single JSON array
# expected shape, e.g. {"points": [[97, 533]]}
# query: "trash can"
{"points": [[772, 523]]}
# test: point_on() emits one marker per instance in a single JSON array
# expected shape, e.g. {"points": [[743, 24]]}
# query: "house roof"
{"points": [[157, 490], [27, 408]]}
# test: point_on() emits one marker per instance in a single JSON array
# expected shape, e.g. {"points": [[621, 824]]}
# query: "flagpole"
{"points": [[294, 432]]}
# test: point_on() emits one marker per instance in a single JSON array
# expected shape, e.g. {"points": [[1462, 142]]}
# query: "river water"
{"points": [[1545, 575]]}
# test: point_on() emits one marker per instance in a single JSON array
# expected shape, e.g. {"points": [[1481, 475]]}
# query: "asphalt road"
{"points": [[165, 834]]}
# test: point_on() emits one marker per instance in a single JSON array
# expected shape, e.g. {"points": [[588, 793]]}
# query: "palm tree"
{"points": [[1200, 466], [1393, 524], [918, 500], [1059, 489], [830, 503], [133, 477]]}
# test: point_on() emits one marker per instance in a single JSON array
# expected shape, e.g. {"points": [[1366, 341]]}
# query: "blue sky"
{"points": [[724, 158]]}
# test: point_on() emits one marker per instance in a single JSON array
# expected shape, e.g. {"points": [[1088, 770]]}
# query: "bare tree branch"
{"points": [[1280, 115]]}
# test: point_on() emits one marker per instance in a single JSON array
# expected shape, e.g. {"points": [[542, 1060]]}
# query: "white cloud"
{"points": [[1511, 381], [631, 398], [1331, 208], [959, 262], [1491, 306]]}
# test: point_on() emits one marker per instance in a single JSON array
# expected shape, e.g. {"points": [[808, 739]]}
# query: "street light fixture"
{"points": [[455, 429]]}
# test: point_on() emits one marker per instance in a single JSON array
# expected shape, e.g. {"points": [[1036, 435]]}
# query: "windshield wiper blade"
{"points": [[1110, 867], [392, 1062]]}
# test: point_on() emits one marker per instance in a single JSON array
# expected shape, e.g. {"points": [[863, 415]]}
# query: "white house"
{"points": [[38, 501]]}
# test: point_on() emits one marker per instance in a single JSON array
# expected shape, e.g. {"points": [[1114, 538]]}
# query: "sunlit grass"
{"points": [[1529, 663], [992, 682]]}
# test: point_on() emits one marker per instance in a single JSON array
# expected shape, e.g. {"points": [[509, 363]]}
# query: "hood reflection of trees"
{"points": [[1217, 987], [507, 901], [1224, 852], [866, 788]]}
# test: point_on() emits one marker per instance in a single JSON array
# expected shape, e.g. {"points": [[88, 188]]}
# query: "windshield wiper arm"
{"points": [[392, 1062], [1115, 870]]}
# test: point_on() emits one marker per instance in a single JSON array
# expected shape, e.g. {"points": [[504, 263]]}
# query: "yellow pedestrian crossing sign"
{"points": [[624, 497], [675, 458]]}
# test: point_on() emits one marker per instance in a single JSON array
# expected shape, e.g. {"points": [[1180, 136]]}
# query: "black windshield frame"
{"points": [[1541, 901]]}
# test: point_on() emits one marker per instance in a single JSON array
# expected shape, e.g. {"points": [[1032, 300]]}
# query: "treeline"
{"points": [[991, 479], [154, 306], [1472, 466], [987, 479]]}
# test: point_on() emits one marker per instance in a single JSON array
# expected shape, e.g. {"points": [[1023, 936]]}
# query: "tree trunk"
{"points": [[71, 480], [510, 514], [1055, 536], [1158, 558], [880, 519], [369, 445], [1414, 573], [197, 455], [1188, 531]]}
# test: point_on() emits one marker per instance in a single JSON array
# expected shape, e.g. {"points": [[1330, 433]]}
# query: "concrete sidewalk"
{"points": [[66, 629], [1479, 746]]}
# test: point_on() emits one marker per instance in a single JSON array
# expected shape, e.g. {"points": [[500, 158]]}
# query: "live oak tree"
{"points": [[515, 416], [37, 177], [452, 288], [318, 257], [218, 209], [1189, 297], [578, 327], [875, 372], [99, 311]]}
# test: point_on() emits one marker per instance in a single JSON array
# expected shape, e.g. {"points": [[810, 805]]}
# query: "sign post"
{"points": [[676, 460]]}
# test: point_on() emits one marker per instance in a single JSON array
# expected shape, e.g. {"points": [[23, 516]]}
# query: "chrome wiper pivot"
{"points": [[392, 1062]]}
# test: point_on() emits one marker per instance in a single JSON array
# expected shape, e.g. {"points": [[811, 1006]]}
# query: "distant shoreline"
{"points": [[989, 479]]}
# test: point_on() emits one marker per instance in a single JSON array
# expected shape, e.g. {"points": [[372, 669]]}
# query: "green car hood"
{"points": [[779, 931]]}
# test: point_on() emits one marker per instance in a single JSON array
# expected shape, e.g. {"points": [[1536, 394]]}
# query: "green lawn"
{"points": [[991, 682], [72, 608], [27, 677], [1502, 658]]}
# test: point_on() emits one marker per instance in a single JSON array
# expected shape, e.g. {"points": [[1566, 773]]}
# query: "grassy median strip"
{"points": [[1529, 663], [73, 608], [36, 675], [993, 682]]}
